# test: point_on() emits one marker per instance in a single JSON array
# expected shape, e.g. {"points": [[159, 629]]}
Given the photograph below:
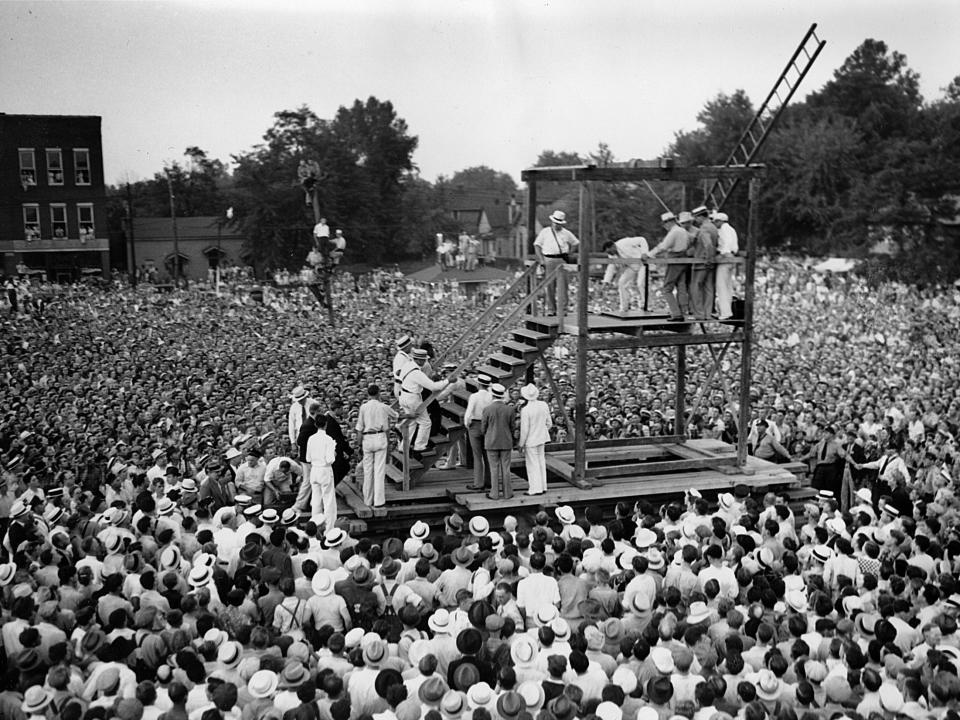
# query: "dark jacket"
{"points": [[308, 428], [341, 466]]}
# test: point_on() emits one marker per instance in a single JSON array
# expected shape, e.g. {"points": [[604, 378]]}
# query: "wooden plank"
{"points": [[654, 467], [618, 442], [354, 501], [559, 467], [648, 341]]}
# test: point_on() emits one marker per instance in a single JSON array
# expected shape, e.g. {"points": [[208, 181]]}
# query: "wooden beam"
{"points": [[583, 337], [746, 351], [640, 341], [658, 467], [618, 442], [679, 421], [557, 395], [586, 173]]}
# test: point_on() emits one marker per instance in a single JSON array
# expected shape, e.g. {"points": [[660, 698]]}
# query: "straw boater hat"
{"points": [[479, 526], [404, 341], [667, 217], [559, 217], [484, 380], [498, 391]]}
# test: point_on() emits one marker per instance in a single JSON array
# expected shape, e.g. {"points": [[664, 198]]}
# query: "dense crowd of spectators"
{"points": [[131, 587]]}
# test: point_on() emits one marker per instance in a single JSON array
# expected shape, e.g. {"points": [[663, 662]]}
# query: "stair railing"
{"points": [[406, 420], [518, 283]]}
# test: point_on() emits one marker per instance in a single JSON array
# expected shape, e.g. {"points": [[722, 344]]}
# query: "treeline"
{"points": [[864, 158]]}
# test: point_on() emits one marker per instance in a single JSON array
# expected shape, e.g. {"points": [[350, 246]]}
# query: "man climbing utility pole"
{"points": [[309, 174]]}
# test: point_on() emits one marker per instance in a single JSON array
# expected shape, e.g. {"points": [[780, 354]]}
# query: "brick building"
{"points": [[52, 195]]}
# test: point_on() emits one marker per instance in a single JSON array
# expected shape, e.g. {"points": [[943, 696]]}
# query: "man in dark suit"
{"points": [[497, 425], [309, 427], [341, 466]]}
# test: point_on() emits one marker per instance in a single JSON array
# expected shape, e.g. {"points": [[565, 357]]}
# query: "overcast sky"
{"points": [[485, 82]]}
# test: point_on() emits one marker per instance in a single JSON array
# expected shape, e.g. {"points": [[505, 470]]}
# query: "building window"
{"points": [[54, 166], [28, 167], [58, 220], [85, 221], [81, 166], [31, 222]]}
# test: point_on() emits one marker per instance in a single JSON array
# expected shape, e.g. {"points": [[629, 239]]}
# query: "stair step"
{"points": [[450, 425], [453, 411], [518, 349], [507, 361], [531, 337], [440, 442], [497, 373], [397, 457]]}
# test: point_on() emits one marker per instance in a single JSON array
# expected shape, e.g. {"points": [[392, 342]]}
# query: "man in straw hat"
{"points": [[476, 404], [535, 424], [413, 381], [553, 247], [673, 245], [299, 401]]}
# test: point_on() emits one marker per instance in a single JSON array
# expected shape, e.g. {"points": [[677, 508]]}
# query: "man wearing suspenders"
{"points": [[413, 381], [400, 360], [552, 247]]}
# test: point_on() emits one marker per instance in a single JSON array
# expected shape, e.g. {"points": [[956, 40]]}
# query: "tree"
{"points": [[549, 158], [365, 156], [876, 88], [722, 122], [482, 179]]}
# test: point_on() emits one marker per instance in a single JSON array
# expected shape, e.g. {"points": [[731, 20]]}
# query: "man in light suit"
{"points": [[535, 424], [497, 425]]}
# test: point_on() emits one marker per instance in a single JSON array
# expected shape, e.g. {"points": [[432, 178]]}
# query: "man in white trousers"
{"points": [[535, 424], [632, 277], [728, 244], [321, 452], [413, 381], [373, 424]]}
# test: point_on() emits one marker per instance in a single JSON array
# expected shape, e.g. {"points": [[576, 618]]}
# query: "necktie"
{"points": [[823, 450], [303, 412]]}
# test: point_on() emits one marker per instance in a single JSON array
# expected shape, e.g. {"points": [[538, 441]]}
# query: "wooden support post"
{"points": [[715, 370], [556, 393], [583, 335], [746, 353], [679, 422], [406, 454]]}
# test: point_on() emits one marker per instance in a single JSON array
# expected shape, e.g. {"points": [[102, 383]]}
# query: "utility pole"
{"points": [[176, 234], [309, 175], [131, 246]]}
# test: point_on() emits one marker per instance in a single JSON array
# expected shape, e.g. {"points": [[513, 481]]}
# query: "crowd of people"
{"points": [[139, 581]]}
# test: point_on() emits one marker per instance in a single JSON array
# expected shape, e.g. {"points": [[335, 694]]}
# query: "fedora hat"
{"points": [[561, 708], [35, 699], [18, 510], [726, 500], [644, 538], [439, 621], [662, 660], [522, 651], [294, 675], [419, 530], [655, 560], [565, 514], [462, 556], [428, 552], [298, 393], [389, 568], [796, 600], [263, 684], [768, 685], [559, 217], [481, 695], [533, 695], [374, 652], [510, 704], [529, 392], [432, 690], [7, 572], [322, 583], [479, 526]]}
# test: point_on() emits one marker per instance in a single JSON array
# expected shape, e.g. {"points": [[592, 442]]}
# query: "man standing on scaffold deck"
{"points": [[553, 247]]}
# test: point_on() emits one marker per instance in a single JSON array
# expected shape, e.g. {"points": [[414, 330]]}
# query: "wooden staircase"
{"points": [[506, 366]]}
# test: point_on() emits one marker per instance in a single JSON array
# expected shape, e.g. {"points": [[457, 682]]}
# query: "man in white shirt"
{"points": [[281, 475], [537, 590], [552, 246], [535, 424], [728, 245], [476, 404], [402, 357], [631, 275], [373, 424], [321, 452], [413, 381]]}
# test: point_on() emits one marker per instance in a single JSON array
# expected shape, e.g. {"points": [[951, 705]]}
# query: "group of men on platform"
{"points": [[688, 288]]}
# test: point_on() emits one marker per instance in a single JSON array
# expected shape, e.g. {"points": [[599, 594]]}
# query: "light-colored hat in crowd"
{"points": [[529, 392], [263, 684], [559, 217]]}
